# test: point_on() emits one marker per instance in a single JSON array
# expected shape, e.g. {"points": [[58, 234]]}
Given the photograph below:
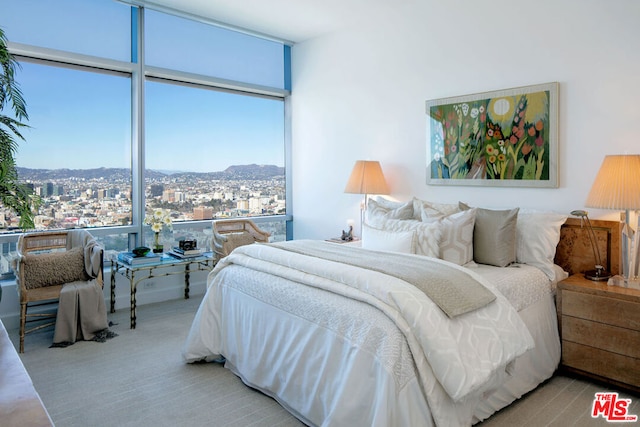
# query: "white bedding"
{"points": [[337, 361]]}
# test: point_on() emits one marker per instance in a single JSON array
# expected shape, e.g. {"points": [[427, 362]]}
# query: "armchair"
{"points": [[229, 234], [47, 261]]}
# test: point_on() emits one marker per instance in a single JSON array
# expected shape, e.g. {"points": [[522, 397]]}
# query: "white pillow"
{"points": [[427, 235], [389, 241], [456, 243], [377, 209], [537, 236]]}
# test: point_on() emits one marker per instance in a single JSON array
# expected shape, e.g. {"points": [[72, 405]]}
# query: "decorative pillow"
{"points": [[377, 209], [494, 236], [427, 235], [428, 211], [54, 268], [389, 241], [389, 204], [538, 234], [456, 244], [428, 214]]}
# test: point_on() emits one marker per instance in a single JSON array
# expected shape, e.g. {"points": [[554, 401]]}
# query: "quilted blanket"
{"points": [[454, 291], [457, 359]]}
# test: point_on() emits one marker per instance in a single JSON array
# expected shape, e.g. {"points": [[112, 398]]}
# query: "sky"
{"points": [[83, 120]]}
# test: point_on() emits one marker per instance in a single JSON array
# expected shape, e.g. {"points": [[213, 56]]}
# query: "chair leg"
{"points": [[23, 323]]}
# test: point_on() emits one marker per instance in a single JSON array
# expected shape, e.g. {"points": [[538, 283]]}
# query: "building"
{"points": [[202, 212]]}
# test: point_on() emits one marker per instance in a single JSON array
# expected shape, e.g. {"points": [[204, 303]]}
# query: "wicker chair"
{"points": [[46, 261], [229, 234]]}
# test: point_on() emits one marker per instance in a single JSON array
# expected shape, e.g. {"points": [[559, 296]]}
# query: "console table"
{"points": [[156, 268]]}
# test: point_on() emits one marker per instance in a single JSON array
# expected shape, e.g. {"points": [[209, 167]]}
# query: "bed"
{"points": [[346, 335]]}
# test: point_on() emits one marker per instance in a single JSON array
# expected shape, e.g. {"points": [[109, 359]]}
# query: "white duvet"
{"points": [[456, 360]]}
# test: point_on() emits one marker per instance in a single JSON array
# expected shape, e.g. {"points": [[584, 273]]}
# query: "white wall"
{"points": [[360, 94]]}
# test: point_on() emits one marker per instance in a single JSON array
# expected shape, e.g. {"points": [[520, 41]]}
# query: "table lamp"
{"points": [[617, 186], [366, 178], [600, 272]]}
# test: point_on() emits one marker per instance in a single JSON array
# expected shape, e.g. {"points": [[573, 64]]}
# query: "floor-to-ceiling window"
{"points": [[132, 109]]}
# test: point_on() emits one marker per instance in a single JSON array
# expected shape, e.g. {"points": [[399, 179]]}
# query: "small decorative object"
{"points": [[188, 245], [347, 236], [141, 251], [159, 220]]}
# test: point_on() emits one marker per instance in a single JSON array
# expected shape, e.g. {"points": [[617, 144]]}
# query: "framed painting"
{"points": [[504, 138]]}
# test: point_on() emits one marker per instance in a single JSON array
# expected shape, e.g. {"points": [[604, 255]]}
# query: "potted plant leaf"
{"points": [[13, 195]]}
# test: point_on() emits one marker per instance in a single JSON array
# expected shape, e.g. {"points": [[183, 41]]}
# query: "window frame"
{"points": [[139, 73]]}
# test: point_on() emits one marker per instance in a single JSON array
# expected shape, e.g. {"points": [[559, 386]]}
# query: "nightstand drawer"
{"points": [[622, 341], [611, 311], [600, 362]]}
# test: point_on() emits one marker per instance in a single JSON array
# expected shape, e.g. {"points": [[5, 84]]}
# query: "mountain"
{"points": [[236, 172], [253, 171]]}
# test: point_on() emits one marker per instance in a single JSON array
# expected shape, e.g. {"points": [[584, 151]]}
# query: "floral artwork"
{"points": [[500, 138]]}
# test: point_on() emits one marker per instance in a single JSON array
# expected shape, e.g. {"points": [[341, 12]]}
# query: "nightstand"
{"points": [[600, 331]]}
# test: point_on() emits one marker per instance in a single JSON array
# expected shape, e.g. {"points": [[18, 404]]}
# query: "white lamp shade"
{"points": [[367, 178], [617, 185]]}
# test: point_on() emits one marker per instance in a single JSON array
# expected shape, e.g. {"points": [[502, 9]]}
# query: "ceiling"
{"points": [[289, 20]]}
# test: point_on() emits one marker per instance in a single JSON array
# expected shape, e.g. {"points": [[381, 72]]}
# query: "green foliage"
{"points": [[474, 140], [13, 195]]}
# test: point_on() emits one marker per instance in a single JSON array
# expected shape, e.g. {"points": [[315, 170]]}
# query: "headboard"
{"points": [[574, 252]]}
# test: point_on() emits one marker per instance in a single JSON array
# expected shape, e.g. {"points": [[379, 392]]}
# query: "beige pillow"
{"points": [[54, 268], [456, 244], [494, 236], [427, 211], [377, 209]]}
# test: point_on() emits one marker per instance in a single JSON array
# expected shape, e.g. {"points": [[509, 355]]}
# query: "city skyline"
{"points": [[88, 198]]}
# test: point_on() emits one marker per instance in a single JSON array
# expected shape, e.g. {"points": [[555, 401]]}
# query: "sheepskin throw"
{"points": [[54, 268]]}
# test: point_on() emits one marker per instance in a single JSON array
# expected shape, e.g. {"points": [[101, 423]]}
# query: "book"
{"points": [[132, 259], [190, 252]]}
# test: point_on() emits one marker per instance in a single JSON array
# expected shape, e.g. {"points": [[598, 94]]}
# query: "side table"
{"points": [[600, 331], [156, 268]]}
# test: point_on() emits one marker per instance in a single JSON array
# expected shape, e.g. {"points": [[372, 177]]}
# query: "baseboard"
{"points": [[161, 289]]}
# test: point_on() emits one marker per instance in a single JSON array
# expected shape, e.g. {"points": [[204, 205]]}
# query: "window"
{"points": [[77, 154], [185, 45], [207, 104], [97, 28], [213, 154]]}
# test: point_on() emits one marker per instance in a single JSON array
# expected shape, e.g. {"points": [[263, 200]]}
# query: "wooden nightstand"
{"points": [[600, 331]]}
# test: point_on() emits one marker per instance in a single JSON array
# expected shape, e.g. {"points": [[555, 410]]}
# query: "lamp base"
{"points": [[617, 280], [597, 275]]}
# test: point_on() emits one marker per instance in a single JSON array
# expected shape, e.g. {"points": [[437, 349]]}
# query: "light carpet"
{"points": [[139, 379]]}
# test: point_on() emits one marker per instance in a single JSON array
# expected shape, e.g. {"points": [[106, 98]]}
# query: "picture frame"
{"points": [[503, 138]]}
